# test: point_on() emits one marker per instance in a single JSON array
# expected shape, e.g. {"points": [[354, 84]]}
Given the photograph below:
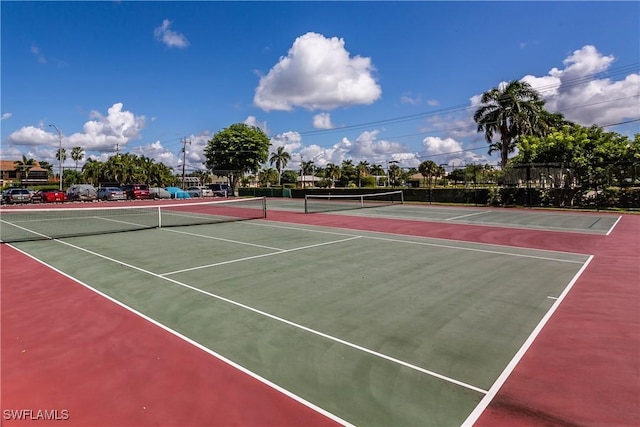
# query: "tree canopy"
{"points": [[237, 150]]}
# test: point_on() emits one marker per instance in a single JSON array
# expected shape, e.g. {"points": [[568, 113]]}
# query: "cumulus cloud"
{"points": [[317, 73], [449, 151], [252, 121], [322, 121], [110, 132], [169, 37], [291, 141], [583, 98]]}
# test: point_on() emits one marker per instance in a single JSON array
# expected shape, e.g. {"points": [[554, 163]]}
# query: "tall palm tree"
{"points": [[512, 109], [333, 172], [77, 154], [428, 169], [362, 169], [280, 158], [24, 166], [61, 155], [308, 167]]}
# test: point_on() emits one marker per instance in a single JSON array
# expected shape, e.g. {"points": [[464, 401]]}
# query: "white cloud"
{"points": [[6, 116], [252, 121], [317, 73], [291, 141], [583, 98], [322, 121], [449, 151], [110, 132], [169, 37]]}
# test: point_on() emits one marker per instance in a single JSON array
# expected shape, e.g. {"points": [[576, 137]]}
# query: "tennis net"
{"points": [[337, 202], [18, 225]]}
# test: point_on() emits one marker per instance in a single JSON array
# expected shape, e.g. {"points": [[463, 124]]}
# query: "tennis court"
{"points": [[362, 327]]}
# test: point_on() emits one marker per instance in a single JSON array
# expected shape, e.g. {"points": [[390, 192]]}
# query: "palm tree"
{"points": [[48, 167], [77, 154], [93, 171], [308, 167], [267, 176], [61, 155], [280, 158], [428, 169], [512, 109], [24, 166], [333, 172], [362, 169]]}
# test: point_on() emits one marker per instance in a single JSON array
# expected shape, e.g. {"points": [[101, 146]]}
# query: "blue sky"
{"points": [[330, 81]]}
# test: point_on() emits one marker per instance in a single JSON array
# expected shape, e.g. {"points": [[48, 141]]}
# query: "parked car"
{"points": [[136, 191], [111, 193], [16, 195], [49, 195], [177, 193], [200, 191], [82, 192], [220, 190], [159, 193]]}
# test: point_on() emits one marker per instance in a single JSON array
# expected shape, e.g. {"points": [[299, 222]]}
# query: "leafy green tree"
{"points": [[395, 173], [77, 154], [24, 166], [289, 177], [280, 158], [511, 110], [71, 177], [237, 150]]}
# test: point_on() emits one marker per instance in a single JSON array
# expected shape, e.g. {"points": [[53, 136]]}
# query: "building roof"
{"points": [[10, 165]]}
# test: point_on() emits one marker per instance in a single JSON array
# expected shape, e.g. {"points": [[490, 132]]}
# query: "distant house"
{"points": [[308, 181], [10, 176]]}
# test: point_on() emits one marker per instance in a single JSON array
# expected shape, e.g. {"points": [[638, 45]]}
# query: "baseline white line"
{"points": [[464, 216], [497, 385], [614, 225], [287, 322], [195, 343], [280, 251]]}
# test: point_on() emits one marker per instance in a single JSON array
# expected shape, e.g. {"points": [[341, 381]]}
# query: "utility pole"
{"points": [[117, 149], [184, 156]]}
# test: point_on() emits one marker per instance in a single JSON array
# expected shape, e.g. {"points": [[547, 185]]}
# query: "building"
{"points": [[10, 176]]}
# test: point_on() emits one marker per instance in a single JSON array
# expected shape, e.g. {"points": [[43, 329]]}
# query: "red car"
{"points": [[51, 196], [136, 191]]}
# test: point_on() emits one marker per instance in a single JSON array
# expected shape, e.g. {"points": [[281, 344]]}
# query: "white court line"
{"points": [[25, 229], [464, 216], [480, 408], [196, 344], [614, 225], [285, 321], [279, 251]]}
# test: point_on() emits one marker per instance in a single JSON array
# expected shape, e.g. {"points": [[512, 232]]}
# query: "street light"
{"points": [[59, 152]]}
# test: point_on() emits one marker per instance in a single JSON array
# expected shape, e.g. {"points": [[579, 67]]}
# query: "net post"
{"points": [[159, 217], [362, 201], [401, 197], [264, 207], [306, 208]]}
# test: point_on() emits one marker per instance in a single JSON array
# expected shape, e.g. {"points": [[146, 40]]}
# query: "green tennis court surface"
{"points": [[375, 328]]}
